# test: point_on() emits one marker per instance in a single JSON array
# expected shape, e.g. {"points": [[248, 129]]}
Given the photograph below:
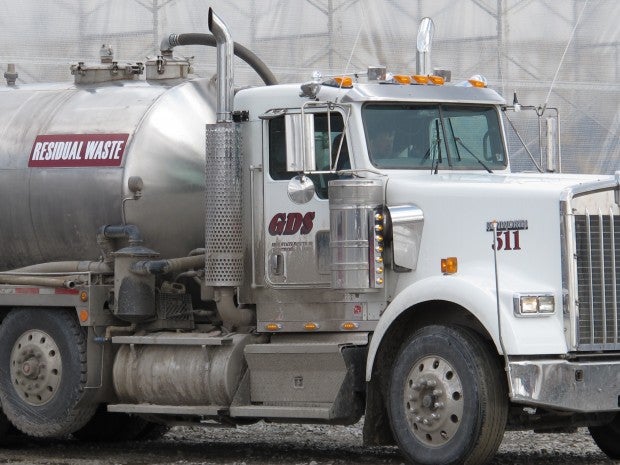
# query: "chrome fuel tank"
{"points": [[67, 152]]}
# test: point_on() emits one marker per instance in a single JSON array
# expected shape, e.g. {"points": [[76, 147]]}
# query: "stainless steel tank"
{"points": [[52, 208]]}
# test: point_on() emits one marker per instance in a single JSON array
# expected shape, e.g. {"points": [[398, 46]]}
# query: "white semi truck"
{"points": [[346, 247]]}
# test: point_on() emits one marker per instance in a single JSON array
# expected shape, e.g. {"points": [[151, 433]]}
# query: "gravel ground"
{"points": [[263, 444]]}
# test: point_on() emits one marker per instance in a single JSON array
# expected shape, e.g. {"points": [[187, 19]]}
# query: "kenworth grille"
{"points": [[597, 243]]}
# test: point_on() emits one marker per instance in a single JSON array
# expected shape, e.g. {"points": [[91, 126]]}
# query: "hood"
{"points": [[401, 184]]}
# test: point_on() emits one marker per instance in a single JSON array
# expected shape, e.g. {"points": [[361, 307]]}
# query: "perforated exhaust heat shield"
{"points": [[223, 232]]}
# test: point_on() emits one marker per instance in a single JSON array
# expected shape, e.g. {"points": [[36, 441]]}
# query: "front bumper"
{"points": [[563, 385]]}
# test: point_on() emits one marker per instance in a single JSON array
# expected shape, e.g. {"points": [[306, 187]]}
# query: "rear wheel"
{"points": [[447, 399], [607, 438], [43, 353]]}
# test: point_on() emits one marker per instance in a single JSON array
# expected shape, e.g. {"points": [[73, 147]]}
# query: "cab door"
{"points": [[297, 232]]}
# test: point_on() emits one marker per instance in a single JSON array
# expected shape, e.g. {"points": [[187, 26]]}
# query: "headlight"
{"points": [[534, 304]]}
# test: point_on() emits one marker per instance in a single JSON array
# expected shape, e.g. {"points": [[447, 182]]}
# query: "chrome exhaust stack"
{"points": [[224, 188], [225, 75], [423, 47]]}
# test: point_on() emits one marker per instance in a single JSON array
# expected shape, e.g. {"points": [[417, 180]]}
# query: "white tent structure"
{"points": [[553, 53]]}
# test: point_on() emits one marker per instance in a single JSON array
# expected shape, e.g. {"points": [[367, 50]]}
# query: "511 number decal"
{"points": [[508, 240], [508, 233]]}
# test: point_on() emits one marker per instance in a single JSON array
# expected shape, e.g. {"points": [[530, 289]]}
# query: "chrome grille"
{"points": [[597, 240]]}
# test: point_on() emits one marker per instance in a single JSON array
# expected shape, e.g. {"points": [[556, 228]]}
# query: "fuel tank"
{"points": [[68, 150], [181, 374]]}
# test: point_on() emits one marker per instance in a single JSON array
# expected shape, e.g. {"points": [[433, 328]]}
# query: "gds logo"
{"points": [[291, 223]]}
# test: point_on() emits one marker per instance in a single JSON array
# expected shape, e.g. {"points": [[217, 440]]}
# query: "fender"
{"points": [[482, 304]]}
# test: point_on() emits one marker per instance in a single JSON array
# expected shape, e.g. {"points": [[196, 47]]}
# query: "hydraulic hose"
{"points": [[196, 38], [66, 267], [16, 280]]}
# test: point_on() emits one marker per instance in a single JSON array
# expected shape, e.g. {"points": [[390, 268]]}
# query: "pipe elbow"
{"points": [[168, 43], [218, 29], [129, 231]]}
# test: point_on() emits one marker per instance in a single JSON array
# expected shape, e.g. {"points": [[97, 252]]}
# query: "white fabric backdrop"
{"points": [[516, 44]]}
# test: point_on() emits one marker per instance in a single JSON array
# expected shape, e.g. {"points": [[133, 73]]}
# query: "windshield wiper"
{"points": [[458, 139], [438, 147]]}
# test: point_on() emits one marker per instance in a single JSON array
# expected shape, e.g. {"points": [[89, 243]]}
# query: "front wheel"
{"points": [[607, 438], [447, 398]]}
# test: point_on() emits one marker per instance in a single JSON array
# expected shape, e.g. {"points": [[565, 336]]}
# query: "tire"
{"points": [[6, 428], [607, 438], [43, 359], [447, 399], [107, 426], [5, 425]]}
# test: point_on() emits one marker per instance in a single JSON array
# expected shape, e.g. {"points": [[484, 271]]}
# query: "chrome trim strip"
{"points": [[613, 274], [590, 279], [589, 188], [601, 241]]}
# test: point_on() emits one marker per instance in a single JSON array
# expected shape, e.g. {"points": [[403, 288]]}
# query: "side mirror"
{"points": [[300, 189], [300, 155]]}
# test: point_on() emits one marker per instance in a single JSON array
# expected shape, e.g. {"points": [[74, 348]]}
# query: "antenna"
{"points": [[359, 31], [557, 71]]}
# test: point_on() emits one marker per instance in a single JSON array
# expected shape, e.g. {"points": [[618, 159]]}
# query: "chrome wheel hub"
{"points": [[433, 401]]}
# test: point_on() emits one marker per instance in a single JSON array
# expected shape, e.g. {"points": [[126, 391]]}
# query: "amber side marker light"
{"points": [[344, 81], [402, 79], [84, 315], [349, 325], [475, 83], [437, 80], [449, 265], [311, 326], [273, 326], [478, 81], [84, 296], [420, 79]]}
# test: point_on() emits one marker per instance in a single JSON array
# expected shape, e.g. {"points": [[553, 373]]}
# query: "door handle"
{"points": [[276, 264]]}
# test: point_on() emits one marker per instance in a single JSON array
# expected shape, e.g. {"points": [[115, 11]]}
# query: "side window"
{"points": [[277, 150], [329, 143], [330, 149]]}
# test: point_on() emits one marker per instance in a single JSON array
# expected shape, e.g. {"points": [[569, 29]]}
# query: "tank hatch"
{"points": [[166, 66], [107, 70]]}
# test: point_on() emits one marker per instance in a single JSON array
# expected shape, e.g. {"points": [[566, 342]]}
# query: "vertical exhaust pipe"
{"points": [[224, 188], [225, 77], [223, 232], [423, 46]]}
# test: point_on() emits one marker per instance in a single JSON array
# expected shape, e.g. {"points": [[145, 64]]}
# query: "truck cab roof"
{"points": [[288, 95]]}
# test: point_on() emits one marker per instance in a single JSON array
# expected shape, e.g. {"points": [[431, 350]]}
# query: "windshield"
{"points": [[433, 136]]}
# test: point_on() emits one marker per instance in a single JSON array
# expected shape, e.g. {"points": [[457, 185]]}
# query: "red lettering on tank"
{"points": [[77, 150]]}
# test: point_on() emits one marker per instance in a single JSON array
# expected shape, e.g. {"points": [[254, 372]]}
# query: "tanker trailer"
{"points": [[68, 152]]}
